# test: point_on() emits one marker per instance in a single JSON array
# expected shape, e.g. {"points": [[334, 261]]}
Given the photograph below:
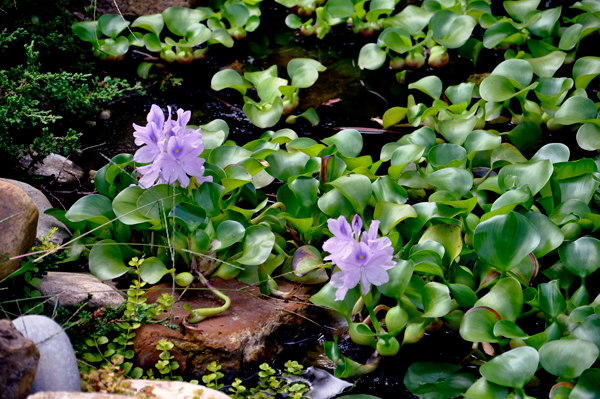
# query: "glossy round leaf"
{"points": [[588, 385], [356, 188], [581, 257], [505, 297], [533, 174], [504, 240], [371, 57], [349, 142], [588, 137], [283, 165], [436, 300], [550, 235], [436, 380], [508, 329], [576, 110], [454, 180], [567, 359], [430, 85], [513, 368], [484, 389], [106, 260], [478, 324], [257, 245], [152, 270], [589, 329], [390, 214], [229, 232]]}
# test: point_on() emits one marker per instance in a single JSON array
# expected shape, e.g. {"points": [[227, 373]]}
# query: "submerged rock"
{"points": [[252, 331], [73, 288], [63, 169], [57, 369], [19, 359], [18, 222], [45, 222]]}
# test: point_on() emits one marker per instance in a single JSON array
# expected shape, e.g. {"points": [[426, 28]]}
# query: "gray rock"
{"points": [[75, 395], [45, 222], [64, 170], [19, 217], [73, 288], [57, 368], [19, 359], [105, 114]]}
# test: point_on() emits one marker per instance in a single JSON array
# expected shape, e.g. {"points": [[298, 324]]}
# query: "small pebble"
{"points": [[105, 114], [91, 123]]}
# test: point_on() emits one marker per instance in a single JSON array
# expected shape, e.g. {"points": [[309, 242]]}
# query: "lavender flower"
{"points": [[171, 151], [364, 261]]}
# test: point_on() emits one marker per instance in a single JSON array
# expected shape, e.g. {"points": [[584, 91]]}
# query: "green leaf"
{"points": [[257, 245], [153, 23], [393, 116], [229, 232], [334, 204], [508, 329], [589, 329], [550, 299], [505, 297], [326, 297], [588, 137], [356, 188], [156, 202], [386, 189], [503, 241], [436, 380], [535, 175], [267, 115], [456, 131], [520, 8], [484, 389], [111, 25], [400, 276], [283, 165], [449, 235], [390, 214], [430, 85], [190, 215], [371, 57], [125, 206], [478, 324], [228, 78], [436, 300], [454, 180], [567, 359], [588, 385], [94, 208], [547, 65], [513, 368], [179, 19], [550, 235], [152, 270], [581, 257], [451, 30], [585, 70], [576, 110], [349, 142], [106, 260]]}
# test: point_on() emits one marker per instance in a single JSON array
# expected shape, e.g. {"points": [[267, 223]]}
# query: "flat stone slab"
{"points": [[252, 331], [73, 289], [63, 169]]}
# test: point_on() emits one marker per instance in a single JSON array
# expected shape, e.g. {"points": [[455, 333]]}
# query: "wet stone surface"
{"points": [[252, 331]]}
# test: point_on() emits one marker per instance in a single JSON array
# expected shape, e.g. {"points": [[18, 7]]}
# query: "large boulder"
{"points": [[19, 359], [45, 222], [253, 330], [57, 368], [73, 288], [18, 223]]}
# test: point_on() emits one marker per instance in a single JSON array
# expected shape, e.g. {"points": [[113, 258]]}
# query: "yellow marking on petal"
{"points": [[177, 151], [361, 256]]}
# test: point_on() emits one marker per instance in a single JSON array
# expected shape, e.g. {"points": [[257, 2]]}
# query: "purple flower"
{"points": [[364, 261], [340, 245], [171, 151]]}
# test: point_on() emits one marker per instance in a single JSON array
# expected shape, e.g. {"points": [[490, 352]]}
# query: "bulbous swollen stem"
{"points": [[198, 315]]}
